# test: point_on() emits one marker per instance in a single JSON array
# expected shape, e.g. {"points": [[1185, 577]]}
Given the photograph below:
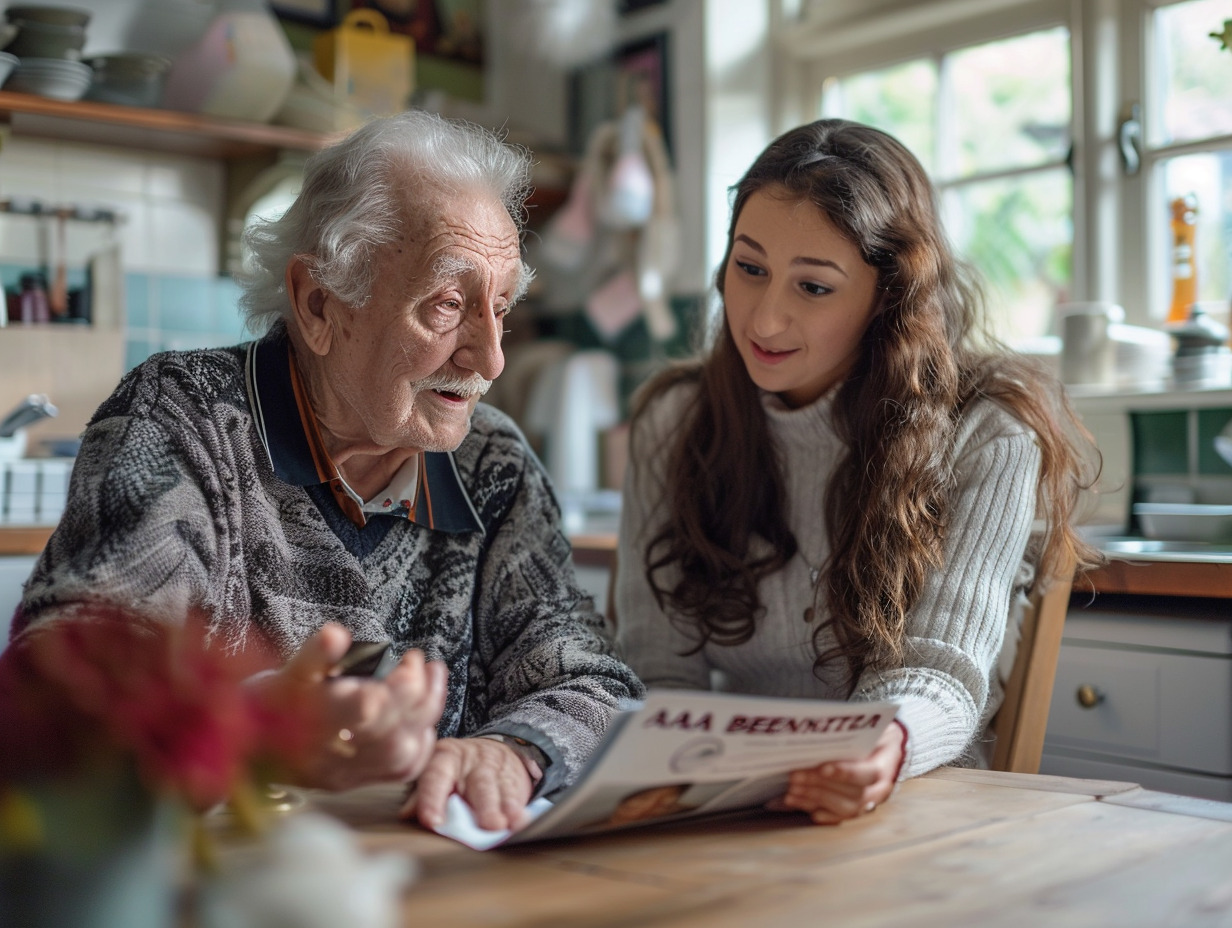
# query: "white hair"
{"points": [[349, 204]]}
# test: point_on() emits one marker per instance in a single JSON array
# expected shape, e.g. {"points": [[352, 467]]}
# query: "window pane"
{"points": [[1193, 73], [1011, 103], [1019, 235], [901, 100], [1208, 177]]}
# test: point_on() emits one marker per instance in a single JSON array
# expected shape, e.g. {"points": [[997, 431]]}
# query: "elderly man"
{"points": [[336, 480]]}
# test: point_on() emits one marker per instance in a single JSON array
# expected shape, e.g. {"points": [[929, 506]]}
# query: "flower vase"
{"points": [[94, 850]]}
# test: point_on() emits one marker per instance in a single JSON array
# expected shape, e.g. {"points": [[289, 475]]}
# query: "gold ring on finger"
{"points": [[343, 745]]}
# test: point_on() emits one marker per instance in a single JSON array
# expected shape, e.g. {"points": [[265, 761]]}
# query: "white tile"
{"points": [[184, 239], [21, 241], [103, 169], [29, 183], [180, 177], [18, 152], [133, 231]]}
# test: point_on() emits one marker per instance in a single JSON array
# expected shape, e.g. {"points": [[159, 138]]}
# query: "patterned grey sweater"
{"points": [[174, 504]]}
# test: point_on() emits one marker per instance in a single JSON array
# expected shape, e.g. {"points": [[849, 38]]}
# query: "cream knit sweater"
{"points": [[950, 686]]}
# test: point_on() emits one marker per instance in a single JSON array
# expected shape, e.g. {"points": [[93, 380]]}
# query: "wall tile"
{"points": [[184, 239], [107, 170], [185, 304], [141, 311]]}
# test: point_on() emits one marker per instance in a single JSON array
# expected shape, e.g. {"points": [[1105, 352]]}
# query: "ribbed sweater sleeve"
{"points": [[956, 630]]}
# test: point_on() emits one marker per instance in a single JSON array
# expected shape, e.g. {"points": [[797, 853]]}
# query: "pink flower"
{"points": [[109, 681]]}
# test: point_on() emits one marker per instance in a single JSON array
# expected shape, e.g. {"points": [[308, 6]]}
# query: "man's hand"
{"points": [[354, 730], [838, 790], [490, 776]]}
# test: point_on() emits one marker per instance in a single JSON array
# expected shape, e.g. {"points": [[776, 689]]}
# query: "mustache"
{"points": [[474, 385]]}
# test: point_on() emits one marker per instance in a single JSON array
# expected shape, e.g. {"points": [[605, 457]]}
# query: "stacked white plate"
{"points": [[58, 78], [8, 63]]}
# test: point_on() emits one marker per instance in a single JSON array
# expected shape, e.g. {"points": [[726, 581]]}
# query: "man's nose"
{"points": [[479, 348]]}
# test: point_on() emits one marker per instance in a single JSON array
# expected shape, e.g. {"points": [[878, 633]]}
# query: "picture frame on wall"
{"points": [[320, 13], [599, 92]]}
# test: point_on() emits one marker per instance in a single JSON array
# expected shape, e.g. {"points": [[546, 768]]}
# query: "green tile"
{"points": [[1160, 442], [1210, 423]]}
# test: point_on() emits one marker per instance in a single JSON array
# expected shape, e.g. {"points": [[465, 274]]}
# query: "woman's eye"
{"points": [[751, 269], [813, 289]]}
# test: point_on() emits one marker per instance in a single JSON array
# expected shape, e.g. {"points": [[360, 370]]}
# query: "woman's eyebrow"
{"points": [[751, 243], [802, 259], [818, 262]]}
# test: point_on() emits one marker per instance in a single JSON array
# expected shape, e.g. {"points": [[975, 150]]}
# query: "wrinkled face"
{"points": [[798, 296], [409, 366]]}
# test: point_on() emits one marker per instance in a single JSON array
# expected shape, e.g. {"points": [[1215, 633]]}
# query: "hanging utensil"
{"points": [[57, 295]]}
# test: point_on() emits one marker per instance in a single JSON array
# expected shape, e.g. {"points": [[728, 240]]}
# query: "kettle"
{"points": [[1202, 355]]}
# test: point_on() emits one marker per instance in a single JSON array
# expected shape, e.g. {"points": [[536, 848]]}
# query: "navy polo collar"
{"points": [[441, 500]]}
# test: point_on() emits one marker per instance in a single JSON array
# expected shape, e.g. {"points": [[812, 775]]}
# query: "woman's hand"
{"points": [[353, 730], [838, 790], [490, 776]]}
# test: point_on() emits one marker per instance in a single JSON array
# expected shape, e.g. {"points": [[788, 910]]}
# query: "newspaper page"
{"points": [[685, 754]]}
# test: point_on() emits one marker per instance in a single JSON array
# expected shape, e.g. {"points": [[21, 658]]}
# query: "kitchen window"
{"points": [[1056, 132]]}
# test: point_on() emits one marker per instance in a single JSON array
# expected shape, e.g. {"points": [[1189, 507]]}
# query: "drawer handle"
{"points": [[1089, 697]]}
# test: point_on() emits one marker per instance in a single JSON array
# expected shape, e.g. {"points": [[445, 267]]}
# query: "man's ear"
{"points": [[308, 307]]}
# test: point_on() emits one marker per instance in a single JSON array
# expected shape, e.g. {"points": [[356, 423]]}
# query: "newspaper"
{"points": [[685, 754]]}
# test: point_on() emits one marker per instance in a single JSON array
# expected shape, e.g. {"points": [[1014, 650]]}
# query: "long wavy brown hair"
{"points": [[924, 358]]}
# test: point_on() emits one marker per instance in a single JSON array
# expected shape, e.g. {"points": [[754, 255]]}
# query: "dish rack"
{"points": [[1185, 521], [33, 490]]}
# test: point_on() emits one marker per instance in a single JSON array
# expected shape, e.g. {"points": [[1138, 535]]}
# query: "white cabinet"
{"points": [[1144, 693]]}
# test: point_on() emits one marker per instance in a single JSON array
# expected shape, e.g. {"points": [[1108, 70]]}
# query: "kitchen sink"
{"points": [[1158, 549]]}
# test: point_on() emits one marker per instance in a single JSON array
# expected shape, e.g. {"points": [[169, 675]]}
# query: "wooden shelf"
{"points": [[150, 129]]}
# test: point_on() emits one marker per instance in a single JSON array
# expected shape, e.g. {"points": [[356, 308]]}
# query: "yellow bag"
{"points": [[371, 68]]}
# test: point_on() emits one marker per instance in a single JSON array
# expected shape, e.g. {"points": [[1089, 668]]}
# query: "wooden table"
{"points": [[952, 848]]}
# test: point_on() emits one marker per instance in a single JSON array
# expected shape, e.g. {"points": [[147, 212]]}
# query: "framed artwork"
{"points": [[637, 71], [320, 13]]}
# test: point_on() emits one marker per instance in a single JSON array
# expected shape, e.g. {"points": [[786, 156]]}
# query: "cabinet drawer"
{"points": [[1166, 708]]}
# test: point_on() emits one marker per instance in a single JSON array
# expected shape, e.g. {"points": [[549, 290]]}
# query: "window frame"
{"points": [[1117, 233]]}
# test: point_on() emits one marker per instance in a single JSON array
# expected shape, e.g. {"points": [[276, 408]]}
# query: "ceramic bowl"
{"points": [[130, 79], [43, 40], [49, 15], [57, 78]]}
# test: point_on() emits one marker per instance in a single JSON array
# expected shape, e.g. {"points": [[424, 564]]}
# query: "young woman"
{"points": [[848, 494]]}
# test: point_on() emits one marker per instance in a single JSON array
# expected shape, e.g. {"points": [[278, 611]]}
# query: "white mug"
{"points": [[1088, 353]]}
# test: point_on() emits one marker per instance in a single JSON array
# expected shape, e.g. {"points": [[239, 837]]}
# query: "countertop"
{"points": [[1152, 574]]}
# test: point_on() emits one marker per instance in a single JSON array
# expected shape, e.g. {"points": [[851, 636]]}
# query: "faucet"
{"points": [[34, 407]]}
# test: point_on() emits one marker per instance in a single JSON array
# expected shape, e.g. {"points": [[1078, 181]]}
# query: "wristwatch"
{"points": [[532, 756]]}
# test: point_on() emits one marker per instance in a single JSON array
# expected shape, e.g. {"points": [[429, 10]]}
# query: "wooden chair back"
{"points": [[1020, 722]]}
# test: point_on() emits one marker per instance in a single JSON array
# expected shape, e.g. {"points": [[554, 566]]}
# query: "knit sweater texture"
{"points": [[174, 505], [950, 685]]}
